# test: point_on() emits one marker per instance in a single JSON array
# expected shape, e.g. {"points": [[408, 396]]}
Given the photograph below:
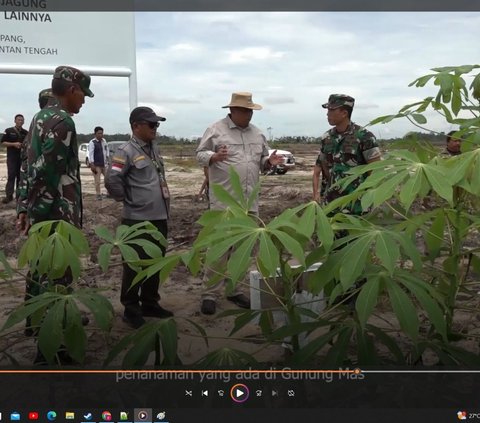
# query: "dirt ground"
{"points": [[181, 293]]}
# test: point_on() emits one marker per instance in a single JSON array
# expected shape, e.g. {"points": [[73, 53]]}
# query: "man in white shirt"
{"points": [[98, 158]]}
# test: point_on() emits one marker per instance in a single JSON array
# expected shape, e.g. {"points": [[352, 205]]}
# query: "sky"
{"points": [[188, 64]]}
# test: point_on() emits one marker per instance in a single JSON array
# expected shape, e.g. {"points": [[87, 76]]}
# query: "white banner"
{"points": [[83, 39]]}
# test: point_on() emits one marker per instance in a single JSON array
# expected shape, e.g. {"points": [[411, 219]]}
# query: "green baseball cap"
{"points": [[338, 100], [67, 73]]}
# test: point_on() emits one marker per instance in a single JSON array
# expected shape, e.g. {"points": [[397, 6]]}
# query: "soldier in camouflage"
{"points": [[45, 98], [51, 188], [343, 147], [53, 172]]}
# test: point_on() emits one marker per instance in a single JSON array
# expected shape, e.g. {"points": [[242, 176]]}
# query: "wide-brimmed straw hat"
{"points": [[243, 100]]}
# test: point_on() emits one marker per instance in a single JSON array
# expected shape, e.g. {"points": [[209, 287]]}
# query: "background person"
{"points": [[454, 145], [98, 155], [13, 138], [136, 177], [233, 141]]}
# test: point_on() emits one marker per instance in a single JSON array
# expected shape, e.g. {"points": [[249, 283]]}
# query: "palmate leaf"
{"points": [[439, 181], [160, 267], [403, 308], [290, 245], [98, 305], [354, 257], [50, 335], [434, 237], [411, 189], [239, 261], [436, 315], [74, 333], [268, 253], [103, 256], [146, 340], [226, 198], [367, 299], [387, 250], [338, 353], [388, 341]]}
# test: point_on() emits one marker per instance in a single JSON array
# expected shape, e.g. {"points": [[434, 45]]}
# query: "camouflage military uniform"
{"points": [[45, 98], [339, 152], [53, 174]]}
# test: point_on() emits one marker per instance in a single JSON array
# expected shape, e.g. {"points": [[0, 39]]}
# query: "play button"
{"points": [[239, 392]]}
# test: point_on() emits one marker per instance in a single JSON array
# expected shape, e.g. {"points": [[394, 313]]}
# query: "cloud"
{"points": [[279, 100], [252, 54]]}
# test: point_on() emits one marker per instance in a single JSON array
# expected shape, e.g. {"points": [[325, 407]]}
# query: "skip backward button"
{"points": [[239, 392]]}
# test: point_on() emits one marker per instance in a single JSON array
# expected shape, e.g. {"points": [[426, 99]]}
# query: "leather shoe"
{"points": [[240, 300], [134, 320], [208, 307], [156, 311], [7, 199]]}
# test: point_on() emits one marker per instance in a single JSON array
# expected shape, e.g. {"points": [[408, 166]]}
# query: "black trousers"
{"points": [[13, 167], [145, 292]]}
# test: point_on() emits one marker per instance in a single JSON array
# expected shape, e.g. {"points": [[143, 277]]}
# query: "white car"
{"points": [[288, 162], [83, 151], [83, 154]]}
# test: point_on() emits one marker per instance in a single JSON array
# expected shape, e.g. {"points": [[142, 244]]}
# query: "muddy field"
{"points": [[181, 293]]}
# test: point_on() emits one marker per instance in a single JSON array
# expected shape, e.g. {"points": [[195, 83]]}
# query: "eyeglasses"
{"points": [[150, 124]]}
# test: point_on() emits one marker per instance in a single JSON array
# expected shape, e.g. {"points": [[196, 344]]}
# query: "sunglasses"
{"points": [[150, 124]]}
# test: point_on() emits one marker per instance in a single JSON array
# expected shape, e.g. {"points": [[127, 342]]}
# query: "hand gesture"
{"points": [[276, 159]]}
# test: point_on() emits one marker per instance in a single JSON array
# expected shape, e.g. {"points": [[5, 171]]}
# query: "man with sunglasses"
{"points": [[136, 176]]}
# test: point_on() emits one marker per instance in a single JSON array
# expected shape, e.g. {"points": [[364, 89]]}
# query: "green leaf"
{"points": [[128, 253], [324, 229], [268, 253], [104, 233], [434, 237], [354, 260], [236, 185], [100, 307], [243, 319], [222, 195], [338, 353], [411, 189], [419, 118], [435, 314], [74, 333], [387, 250], [404, 309], [365, 347], [291, 245], [389, 342], [200, 330], [169, 337], [239, 261], [103, 256], [305, 354], [367, 299], [50, 333]]}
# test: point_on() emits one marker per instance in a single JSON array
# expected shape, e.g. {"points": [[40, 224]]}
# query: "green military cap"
{"points": [[76, 76], [46, 93], [338, 100]]}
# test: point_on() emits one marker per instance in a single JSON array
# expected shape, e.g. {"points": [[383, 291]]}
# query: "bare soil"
{"points": [[181, 292]]}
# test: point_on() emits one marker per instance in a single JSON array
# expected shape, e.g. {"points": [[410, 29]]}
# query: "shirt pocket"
{"points": [[256, 151]]}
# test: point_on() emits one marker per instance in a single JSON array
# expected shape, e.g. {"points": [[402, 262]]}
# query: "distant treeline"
{"points": [[431, 137], [434, 138]]}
